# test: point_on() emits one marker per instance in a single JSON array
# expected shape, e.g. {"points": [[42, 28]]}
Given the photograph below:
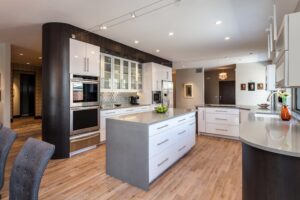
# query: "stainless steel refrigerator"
{"points": [[167, 93]]}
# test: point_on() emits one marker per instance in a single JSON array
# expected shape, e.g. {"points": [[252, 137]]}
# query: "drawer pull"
{"points": [[162, 127], [129, 110], [181, 132], [181, 120], [220, 119], [166, 140], [218, 129], [181, 148], [223, 111], [110, 113], [159, 164]]}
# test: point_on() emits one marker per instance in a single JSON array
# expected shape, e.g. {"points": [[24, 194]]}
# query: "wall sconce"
{"points": [[223, 76]]}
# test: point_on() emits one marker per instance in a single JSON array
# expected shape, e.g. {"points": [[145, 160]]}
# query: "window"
{"points": [[297, 100]]}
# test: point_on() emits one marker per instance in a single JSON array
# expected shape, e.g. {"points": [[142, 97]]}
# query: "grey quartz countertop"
{"points": [[112, 106], [152, 117], [271, 134]]}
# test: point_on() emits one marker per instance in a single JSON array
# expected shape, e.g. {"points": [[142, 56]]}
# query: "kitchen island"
{"points": [[271, 157], [140, 147]]}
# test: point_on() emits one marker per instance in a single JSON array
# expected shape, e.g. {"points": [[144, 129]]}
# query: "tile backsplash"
{"points": [[107, 98]]}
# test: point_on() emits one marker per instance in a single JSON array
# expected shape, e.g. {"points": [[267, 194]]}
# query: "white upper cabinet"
{"points": [[84, 58]]}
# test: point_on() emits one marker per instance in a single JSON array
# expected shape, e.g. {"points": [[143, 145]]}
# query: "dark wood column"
{"points": [[56, 91], [269, 176]]}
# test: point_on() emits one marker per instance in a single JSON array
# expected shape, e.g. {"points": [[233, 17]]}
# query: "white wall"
{"points": [[5, 84], [251, 72], [184, 76]]}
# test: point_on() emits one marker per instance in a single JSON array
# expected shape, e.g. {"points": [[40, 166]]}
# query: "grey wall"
{"points": [[184, 76], [212, 84]]}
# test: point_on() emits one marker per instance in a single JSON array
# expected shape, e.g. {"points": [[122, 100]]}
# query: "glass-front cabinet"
{"points": [[106, 72], [122, 75]]}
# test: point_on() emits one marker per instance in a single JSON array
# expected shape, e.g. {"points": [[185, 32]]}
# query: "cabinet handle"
{"points": [[162, 127], [181, 120], [181, 148], [225, 130], [88, 64], [203, 115], [220, 119], [240, 118], [84, 67], [223, 111], [166, 140], [159, 164], [110, 113], [181, 132]]}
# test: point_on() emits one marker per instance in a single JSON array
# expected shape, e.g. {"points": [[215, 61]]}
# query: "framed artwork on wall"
{"points": [[188, 90], [260, 86], [243, 86], [251, 86]]}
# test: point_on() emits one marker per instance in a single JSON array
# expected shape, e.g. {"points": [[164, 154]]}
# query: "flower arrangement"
{"points": [[283, 95]]}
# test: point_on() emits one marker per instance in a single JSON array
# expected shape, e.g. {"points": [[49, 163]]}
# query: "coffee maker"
{"points": [[134, 100]]}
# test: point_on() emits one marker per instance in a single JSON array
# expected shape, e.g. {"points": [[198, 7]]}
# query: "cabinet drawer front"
{"points": [[222, 111], [160, 142], [160, 163], [159, 127], [222, 129], [223, 119]]}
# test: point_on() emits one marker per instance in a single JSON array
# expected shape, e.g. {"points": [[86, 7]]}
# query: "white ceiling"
{"points": [[197, 39]]}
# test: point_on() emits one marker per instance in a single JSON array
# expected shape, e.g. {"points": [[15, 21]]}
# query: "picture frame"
{"points": [[260, 86], [243, 86], [188, 90], [251, 86]]}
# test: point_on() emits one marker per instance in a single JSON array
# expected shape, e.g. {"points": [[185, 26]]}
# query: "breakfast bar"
{"points": [[140, 147]]}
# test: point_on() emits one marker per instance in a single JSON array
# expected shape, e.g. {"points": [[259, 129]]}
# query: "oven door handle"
{"points": [[85, 108], [80, 137], [85, 81]]}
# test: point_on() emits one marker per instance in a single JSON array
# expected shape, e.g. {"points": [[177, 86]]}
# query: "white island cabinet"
{"points": [[140, 147]]}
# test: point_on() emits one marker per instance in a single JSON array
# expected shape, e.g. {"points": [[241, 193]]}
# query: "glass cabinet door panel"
{"points": [[107, 76], [133, 76], [140, 76], [117, 73], [125, 80]]}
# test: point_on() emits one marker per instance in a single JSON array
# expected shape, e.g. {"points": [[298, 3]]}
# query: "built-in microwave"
{"points": [[84, 91], [84, 120]]}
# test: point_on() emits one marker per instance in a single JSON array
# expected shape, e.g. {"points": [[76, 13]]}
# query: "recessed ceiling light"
{"points": [[132, 15], [227, 38], [171, 33], [103, 27], [28, 63], [136, 42], [21, 54], [157, 50], [219, 22]]}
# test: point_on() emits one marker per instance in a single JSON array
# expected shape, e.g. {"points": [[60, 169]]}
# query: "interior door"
{"points": [[27, 94], [227, 92]]}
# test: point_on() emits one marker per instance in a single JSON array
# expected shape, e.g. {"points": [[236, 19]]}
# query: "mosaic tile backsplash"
{"points": [[107, 98]]}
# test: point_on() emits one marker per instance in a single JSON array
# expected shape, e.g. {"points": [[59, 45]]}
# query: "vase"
{"points": [[285, 113]]}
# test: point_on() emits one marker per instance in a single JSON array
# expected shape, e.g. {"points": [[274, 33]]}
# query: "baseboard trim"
{"points": [[17, 116], [37, 117]]}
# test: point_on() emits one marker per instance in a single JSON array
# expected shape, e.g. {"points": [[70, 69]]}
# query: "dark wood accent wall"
{"points": [[55, 81], [269, 176]]}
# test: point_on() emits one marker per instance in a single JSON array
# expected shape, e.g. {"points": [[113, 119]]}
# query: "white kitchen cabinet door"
{"points": [[93, 60], [169, 73], [106, 72], [201, 120], [77, 57], [243, 116]]}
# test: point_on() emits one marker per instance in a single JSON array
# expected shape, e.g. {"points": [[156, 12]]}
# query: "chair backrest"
{"points": [[7, 138], [28, 169]]}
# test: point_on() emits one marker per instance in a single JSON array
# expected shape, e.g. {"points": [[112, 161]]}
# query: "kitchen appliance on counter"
{"points": [[134, 100], [84, 90], [167, 93], [156, 97]]}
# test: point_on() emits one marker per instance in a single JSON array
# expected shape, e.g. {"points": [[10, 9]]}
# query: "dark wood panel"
{"points": [[269, 176]]}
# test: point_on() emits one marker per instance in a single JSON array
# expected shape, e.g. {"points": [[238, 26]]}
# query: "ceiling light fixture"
{"points": [[157, 50], [28, 63], [219, 22], [227, 38], [136, 42], [223, 76], [171, 33], [21, 54], [142, 11]]}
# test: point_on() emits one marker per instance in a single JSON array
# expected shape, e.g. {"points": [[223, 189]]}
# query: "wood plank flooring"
{"points": [[211, 171]]}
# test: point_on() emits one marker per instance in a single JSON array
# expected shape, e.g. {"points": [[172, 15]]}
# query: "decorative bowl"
{"points": [[263, 106], [118, 105]]}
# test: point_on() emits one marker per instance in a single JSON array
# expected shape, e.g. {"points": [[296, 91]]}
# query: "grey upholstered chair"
{"points": [[28, 169], [7, 138]]}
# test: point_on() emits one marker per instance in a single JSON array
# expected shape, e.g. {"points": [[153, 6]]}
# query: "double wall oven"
{"points": [[84, 112]]}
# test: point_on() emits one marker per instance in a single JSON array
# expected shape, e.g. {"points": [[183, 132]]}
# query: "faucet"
{"points": [[272, 99]]}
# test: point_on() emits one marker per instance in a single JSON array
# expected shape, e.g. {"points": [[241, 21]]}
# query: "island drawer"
{"points": [[223, 119], [223, 129], [229, 111]]}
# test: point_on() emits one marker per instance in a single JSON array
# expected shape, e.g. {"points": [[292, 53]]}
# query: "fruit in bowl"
{"points": [[161, 109]]}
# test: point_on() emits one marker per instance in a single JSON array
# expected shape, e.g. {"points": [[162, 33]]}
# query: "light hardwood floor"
{"points": [[211, 171]]}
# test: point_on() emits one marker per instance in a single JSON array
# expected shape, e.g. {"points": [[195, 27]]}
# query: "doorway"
{"points": [[27, 94], [227, 92]]}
